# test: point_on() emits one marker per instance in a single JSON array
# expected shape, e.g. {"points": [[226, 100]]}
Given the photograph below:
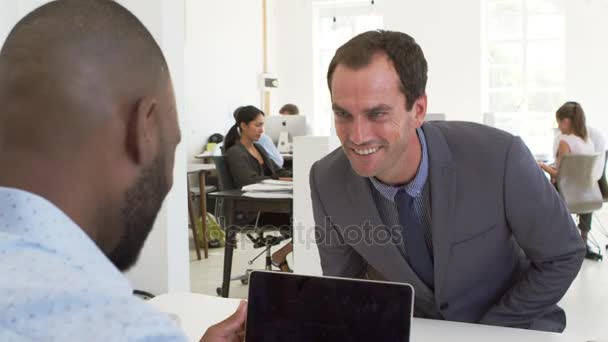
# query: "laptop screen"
{"points": [[287, 307]]}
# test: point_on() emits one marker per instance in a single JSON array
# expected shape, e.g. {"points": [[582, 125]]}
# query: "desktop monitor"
{"points": [[294, 125]]}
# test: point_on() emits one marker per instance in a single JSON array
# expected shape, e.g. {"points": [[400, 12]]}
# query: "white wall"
{"points": [[451, 44], [223, 63], [587, 58], [450, 34], [292, 55], [163, 265]]}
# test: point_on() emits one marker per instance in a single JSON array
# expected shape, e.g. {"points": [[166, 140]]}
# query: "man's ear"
{"points": [[419, 110], [143, 130]]}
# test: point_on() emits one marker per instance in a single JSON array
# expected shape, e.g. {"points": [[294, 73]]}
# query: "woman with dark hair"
{"points": [[574, 139], [249, 163]]}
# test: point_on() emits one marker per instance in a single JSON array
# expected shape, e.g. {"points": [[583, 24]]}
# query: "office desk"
{"points": [[234, 200], [196, 312], [201, 169]]}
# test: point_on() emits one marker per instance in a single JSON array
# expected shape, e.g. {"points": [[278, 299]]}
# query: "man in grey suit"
{"points": [[459, 210]]}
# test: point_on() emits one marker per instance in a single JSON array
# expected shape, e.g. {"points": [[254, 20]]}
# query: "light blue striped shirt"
{"points": [[413, 188], [417, 188], [57, 285], [271, 149]]}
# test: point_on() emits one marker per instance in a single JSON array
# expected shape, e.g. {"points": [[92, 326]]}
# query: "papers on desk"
{"points": [[269, 189], [278, 182], [260, 194]]}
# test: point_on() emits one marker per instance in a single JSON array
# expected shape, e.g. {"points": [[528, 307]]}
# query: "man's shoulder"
{"points": [[60, 300], [332, 172], [468, 131], [467, 138], [333, 164]]}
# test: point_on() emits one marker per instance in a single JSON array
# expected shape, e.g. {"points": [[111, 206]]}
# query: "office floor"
{"points": [[586, 302]]}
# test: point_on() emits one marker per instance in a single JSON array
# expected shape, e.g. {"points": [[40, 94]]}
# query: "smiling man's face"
{"points": [[371, 118]]}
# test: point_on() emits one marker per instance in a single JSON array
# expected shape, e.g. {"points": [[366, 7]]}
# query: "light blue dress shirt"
{"points": [[272, 150], [57, 285], [416, 189]]}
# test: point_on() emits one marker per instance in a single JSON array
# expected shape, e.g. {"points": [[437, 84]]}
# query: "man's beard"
{"points": [[142, 203]]}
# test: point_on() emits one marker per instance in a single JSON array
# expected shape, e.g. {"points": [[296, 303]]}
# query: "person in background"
{"points": [[289, 109], [574, 138], [266, 142], [249, 163], [88, 132]]}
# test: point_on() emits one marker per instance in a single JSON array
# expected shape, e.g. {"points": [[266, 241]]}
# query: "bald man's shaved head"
{"points": [[88, 119], [67, 65]]}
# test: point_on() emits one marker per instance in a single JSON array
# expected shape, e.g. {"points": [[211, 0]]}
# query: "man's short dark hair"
{"points": [[290, 109], [401, 49]]}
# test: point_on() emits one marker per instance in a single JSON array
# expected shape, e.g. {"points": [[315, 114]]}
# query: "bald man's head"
{"points": [[88, 119], [67, 65]]}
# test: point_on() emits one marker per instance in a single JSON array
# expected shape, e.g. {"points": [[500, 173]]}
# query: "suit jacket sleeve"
{"points": [[544, 229], [337, 258]]}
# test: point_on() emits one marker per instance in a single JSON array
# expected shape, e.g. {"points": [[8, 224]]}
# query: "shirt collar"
{"points": [[415, 187]]}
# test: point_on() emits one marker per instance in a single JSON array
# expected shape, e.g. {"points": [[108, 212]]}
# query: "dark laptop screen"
{"points": [[285, 307]]}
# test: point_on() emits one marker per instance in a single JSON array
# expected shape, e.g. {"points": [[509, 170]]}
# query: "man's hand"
{"points": [[232, 329]]}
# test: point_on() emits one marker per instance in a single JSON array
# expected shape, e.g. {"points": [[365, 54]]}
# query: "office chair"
{"points": [[577, 181], [604, 190], [225, 182], [602, 182]]}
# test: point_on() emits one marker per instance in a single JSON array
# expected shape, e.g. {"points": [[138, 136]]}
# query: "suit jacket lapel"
{"points": [[382, 256], [442, 177]]}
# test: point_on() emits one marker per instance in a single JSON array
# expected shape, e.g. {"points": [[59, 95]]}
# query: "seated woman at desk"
{"points": [[574, 139], [249, 163]]}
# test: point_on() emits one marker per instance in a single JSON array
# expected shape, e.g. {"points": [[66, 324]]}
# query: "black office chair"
{"points": [[225, 182], [602, 182]]}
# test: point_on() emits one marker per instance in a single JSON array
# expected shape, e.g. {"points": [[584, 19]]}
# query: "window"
{"points": [[525, 67], [334, 24]]}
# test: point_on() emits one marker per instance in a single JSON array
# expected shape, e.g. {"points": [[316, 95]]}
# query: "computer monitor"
{"points": [[295, 125]]}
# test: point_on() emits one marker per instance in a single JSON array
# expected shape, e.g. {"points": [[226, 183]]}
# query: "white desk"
{"points": [[200, 167], [206, 154], [197, 312]]}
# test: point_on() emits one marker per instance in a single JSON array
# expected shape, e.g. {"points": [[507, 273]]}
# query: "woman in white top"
{"points": [[574, 139]]}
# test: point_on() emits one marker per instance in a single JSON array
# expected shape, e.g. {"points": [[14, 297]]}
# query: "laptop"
{"points": [[291, 307]]}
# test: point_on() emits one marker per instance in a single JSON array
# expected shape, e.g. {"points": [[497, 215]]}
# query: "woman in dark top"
{"points": [[249, 163]]}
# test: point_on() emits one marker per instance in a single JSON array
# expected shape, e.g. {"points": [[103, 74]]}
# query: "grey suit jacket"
{"points": [[505, 247]]}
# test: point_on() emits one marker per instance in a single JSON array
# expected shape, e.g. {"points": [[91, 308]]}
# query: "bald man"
{"points": [[88, 131]]}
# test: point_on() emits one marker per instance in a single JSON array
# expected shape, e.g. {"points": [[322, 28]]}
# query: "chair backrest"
{"points": [[602, 181], [577, 181], [225, 181]]}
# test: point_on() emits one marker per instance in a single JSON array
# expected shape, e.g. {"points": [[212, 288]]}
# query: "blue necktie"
{"points": [[413, 236]]}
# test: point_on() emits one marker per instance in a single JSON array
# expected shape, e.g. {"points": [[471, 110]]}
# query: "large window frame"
{"points": [[524, 67], [334, 23]]}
